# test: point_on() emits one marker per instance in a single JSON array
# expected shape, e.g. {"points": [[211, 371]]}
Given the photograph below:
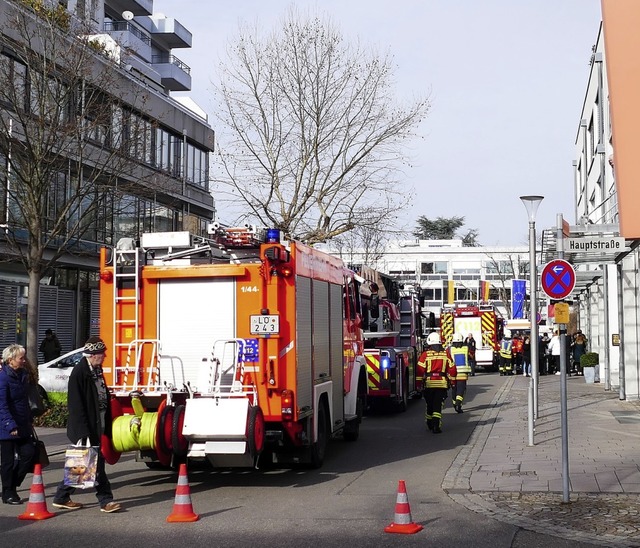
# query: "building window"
{"points": [[432, 293], [437, 267]]}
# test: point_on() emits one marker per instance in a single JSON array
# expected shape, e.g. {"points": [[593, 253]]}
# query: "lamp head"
{"points": [[532, 203]]}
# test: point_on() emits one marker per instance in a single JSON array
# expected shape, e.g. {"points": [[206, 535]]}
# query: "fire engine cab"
{"points": [[229, 347]]}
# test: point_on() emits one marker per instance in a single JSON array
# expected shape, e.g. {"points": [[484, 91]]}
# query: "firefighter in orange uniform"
{"points": [[460, 357], [437, 369]]}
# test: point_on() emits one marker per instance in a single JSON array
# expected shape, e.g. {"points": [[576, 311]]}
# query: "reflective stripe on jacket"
{"points": [[460, 358], [505, 348], [438, 367]]}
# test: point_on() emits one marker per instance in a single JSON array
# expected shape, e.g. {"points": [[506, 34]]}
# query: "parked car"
{"points": [[55, 377]]}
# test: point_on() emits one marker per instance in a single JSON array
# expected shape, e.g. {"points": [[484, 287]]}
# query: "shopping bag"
{"points": [[80, 465], [36, 404]]}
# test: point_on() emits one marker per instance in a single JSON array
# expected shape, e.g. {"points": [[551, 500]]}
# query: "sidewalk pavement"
{"points": [[498, 474]]}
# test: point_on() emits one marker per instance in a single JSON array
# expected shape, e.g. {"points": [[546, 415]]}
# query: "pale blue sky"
{"points": [[507, 79]]}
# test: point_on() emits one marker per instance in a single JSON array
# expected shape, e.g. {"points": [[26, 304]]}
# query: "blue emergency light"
{"points": [[273, 236]]}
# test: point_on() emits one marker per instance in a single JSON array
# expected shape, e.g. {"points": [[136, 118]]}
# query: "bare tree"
{"points": [[314, 138], [513, 267], [64, 140], [363, 245]]}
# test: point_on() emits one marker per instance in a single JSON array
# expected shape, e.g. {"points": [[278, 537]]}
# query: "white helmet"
{"points": [[507, 333], [433, 338], [457, 337]]}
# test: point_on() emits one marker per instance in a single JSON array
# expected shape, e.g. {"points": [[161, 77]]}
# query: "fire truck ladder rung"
{"points": [[128, 259]]}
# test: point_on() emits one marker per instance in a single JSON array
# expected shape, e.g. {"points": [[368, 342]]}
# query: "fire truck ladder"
{"points": [[126, 270]]}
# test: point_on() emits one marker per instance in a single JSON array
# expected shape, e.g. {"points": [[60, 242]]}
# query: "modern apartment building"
{"points": [[159, 180]]}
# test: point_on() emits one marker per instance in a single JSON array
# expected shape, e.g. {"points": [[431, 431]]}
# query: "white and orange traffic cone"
{"points": [[182, 507], [402, 522], [37, 506]]}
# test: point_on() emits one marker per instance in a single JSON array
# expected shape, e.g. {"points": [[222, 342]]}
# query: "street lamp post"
{"points": [[531, 203]]}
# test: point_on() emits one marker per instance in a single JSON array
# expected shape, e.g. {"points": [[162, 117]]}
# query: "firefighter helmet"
{"points": [[457, 337], [433, 338], [507, 333]]}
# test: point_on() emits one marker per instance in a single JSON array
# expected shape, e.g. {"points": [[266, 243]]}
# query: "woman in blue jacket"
{"points": [[17, 449]]}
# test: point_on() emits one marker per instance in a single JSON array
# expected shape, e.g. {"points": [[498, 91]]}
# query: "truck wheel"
{"points": [[255, 431], [319, 447], [180, 444]]}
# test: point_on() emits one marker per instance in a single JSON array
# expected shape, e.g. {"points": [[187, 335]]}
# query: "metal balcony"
{"points": [[137, 7], [169, 33], [174, 74], [130, 37]]}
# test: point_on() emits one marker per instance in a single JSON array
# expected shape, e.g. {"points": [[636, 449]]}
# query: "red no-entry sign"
{"points": [[558, 279]]}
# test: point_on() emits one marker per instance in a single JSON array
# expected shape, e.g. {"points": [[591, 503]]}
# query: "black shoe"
{"points": [[458, 408], [437, 430], [13, 499]]}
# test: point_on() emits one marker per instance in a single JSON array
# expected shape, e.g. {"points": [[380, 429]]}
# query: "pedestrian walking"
{"points": [[460, 357], [89, 417], [17, 450], [50, 346], [437, 370]]}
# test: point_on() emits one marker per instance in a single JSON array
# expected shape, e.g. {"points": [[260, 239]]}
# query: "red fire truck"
{"points": [[483, 321], [392, 331], [230, 348]]}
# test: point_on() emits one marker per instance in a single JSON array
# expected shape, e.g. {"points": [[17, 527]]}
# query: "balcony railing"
{"points": [[126, 26], [171, 60]]}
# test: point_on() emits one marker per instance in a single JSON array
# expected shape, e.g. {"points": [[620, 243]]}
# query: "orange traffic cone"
{"points": [[182, 508], [37, 506], [402, 522]]}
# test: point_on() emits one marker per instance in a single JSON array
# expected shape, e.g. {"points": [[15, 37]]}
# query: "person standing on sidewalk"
{"points": [[50, 346], [17, 450], [506, 354], [471, 345], [438, 369], [554, 351], [543, 353], [579, 349], [460, 358], [89, 417], [526, 356]]}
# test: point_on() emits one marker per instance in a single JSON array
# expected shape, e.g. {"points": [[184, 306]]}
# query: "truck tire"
{"points": [[319, 447], [180, 444], [255, 431]]}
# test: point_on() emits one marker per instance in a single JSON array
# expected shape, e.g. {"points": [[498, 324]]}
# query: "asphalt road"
{"points": [[348, 502]]}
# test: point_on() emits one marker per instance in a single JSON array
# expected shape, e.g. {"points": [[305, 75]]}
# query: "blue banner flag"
{"points": [[518, 292]]}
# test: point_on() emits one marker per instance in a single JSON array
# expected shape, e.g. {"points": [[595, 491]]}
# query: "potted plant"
{"points": [[589, 361]]}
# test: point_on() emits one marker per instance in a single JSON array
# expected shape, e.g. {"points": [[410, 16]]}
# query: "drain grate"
{"points": [[518, 473]]}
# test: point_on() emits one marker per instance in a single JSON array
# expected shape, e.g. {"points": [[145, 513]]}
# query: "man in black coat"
{"points": [[89, 417]]}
